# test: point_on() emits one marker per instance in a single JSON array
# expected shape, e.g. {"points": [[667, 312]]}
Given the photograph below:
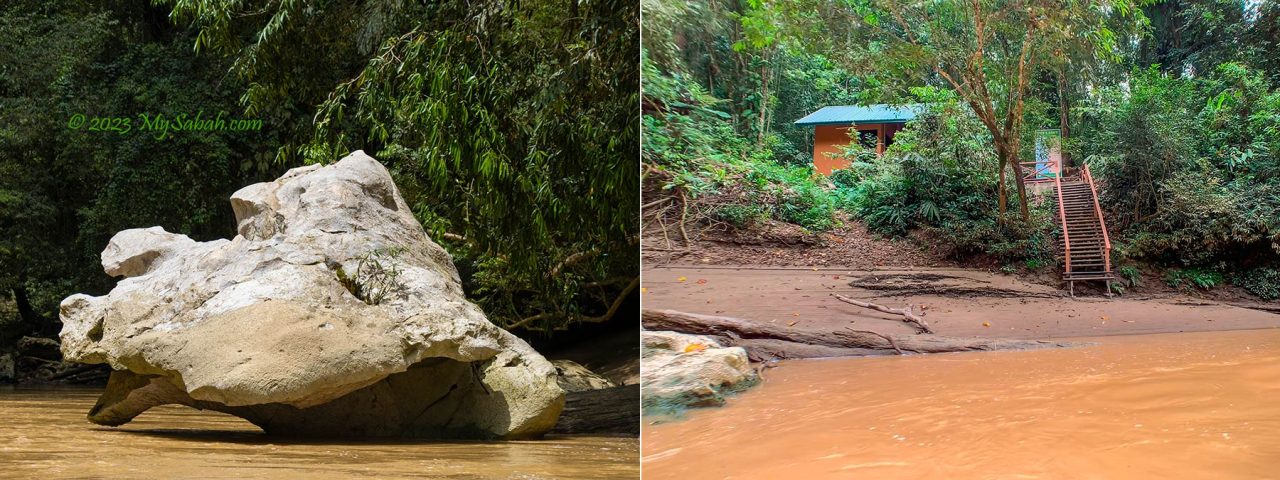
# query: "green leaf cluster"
{"points": [[510, 127]]}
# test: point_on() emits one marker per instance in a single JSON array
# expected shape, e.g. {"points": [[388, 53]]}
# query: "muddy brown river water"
{"points": [[1186, 405], [44, 435]]}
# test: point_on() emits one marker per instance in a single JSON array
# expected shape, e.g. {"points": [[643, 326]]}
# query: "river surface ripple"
{"points": [[1185, 405], [44, 435]]}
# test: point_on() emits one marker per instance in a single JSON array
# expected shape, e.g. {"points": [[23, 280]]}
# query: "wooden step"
{"points": [[1082, 233], [1089, 276]]}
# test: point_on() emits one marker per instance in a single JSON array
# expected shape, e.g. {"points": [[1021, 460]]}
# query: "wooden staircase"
{"points": [[1085, 246]]}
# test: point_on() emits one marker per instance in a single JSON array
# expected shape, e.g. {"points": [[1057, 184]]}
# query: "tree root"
{"points": [[764, 341], [907, 315]]}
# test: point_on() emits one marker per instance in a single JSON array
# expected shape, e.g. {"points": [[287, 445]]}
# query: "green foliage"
{"points": [[377, 275], [939, 176], [1181, 125], [1193, 277], [1196, 36], [1191, 168], [740, 216], [510, 126], [849, 177], [1262, 281], [702, 156], [903, 47], [64, 192], [796, 198], [736, 51], [1131, 274]]}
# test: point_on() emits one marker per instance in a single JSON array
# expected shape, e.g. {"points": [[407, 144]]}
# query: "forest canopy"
{"points": [[510, 129], [1172, 104]]}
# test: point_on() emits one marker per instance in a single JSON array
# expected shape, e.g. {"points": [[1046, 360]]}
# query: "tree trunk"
{"points": [[1064, 117], [764, 99], [1022, 184], [30, 319], [765, 341], [1008, 153], [1001, 189]]}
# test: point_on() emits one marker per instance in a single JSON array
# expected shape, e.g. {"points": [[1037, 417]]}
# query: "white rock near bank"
{"points": [[261, 326], [682, 370]]}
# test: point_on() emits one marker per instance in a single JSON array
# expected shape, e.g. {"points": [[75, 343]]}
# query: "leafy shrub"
{"points": [[1190, 165], [1263, 282], [846, 178], [940, 176], [702, 155], [740, 216], [884, 204], [1012, 241], [1130, 274], [1193, 277]]}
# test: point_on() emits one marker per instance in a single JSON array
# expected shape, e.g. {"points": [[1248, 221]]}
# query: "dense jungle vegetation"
{"points": [[509, 126], [1175, 105]]}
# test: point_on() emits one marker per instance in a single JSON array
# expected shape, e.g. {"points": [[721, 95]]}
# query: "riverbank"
{"points": [[956, 302]]}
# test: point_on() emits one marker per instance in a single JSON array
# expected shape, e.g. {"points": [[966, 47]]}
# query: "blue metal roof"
{"points": [[854, 114]]}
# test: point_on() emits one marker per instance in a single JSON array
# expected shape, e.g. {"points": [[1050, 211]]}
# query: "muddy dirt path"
{"points": [[957, 302]]}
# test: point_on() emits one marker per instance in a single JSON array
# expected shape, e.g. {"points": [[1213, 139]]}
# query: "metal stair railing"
{"points": [[1033, 172], [1097, 209], [1062, 215]]}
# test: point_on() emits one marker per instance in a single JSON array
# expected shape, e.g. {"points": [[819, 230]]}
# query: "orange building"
{"points": [[834, 128]]}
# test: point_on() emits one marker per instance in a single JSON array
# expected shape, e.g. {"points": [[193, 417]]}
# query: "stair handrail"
{"points": [[1062, 215], [1097, 208]]}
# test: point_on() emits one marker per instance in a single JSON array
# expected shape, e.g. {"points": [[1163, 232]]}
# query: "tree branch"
{"points": [[907, 314], [617, 303]]}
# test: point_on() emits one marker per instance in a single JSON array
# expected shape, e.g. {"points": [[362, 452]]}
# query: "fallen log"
{"points": [[764, 341], [608, 410], [907, 315]]}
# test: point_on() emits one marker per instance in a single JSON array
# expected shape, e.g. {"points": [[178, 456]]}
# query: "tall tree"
{"points": [[511, 127], [65, 191], [1193, 36], [985, 50]]}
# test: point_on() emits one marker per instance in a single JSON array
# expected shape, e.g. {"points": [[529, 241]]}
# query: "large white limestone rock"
{"points": [[263, 327]]}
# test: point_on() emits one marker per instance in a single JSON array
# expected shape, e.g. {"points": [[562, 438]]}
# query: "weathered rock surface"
{"points": [[46, 348], [282, 326], [681, 370], [573, 377]]}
